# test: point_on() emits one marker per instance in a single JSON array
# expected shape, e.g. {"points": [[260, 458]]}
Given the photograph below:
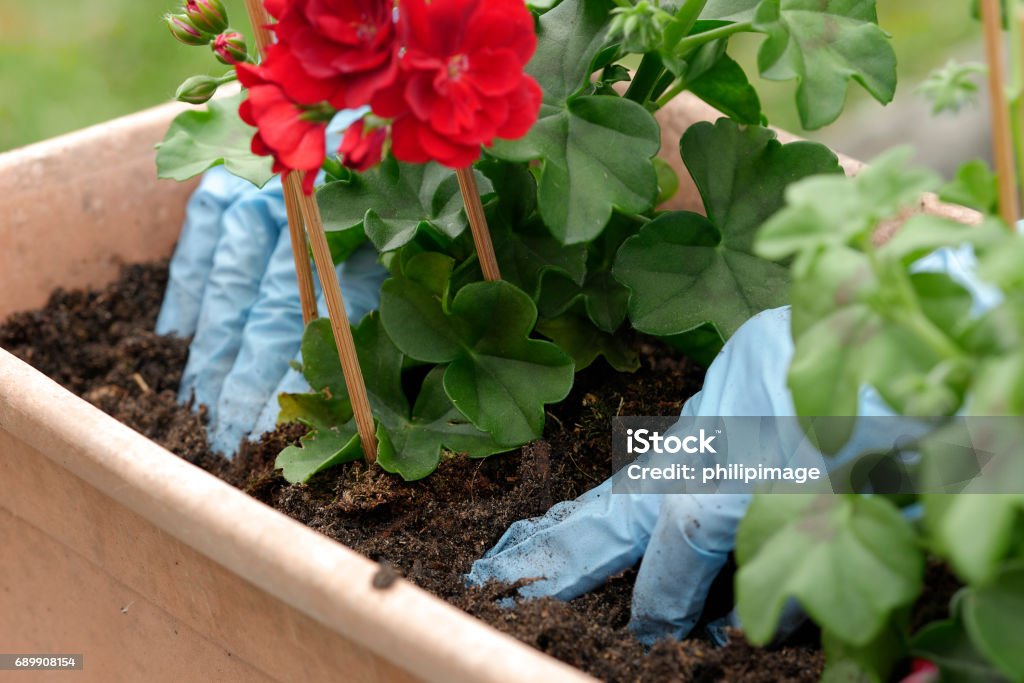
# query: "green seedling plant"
{"points": [[864, 315]]}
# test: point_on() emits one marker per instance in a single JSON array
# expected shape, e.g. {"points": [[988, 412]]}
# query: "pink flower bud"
{"points": [[230, 48], [185, 31], [207, 15], [362, 147]]}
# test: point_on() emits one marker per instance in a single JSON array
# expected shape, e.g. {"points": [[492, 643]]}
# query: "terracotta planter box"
{"points": [[112, 547]]}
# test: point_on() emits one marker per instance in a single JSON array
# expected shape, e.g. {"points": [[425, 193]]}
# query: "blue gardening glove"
{"points": [[233, 290], [681, 540]]}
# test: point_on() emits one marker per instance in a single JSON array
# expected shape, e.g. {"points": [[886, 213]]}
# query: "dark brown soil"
{"points": [[100, 346]]}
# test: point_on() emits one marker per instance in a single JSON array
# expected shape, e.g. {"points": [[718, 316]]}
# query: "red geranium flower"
{"points": [[294, 134], [462, 82], [362, 149], [339, 51]]}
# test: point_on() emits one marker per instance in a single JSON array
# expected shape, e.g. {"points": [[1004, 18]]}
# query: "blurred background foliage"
{"points": [[66, 64]]}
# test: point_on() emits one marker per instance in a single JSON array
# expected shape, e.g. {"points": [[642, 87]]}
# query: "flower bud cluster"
{"points": [[639, 26], [205, 22]]}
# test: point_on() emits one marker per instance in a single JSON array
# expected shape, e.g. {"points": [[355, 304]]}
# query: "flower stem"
{"points": [[688, 14], [645, 78], [478, 224], [678, 87], [691, 43], [666, 80]]}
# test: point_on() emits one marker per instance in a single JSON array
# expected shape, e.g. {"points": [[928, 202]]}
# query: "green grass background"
{"points": [[66, 64]]}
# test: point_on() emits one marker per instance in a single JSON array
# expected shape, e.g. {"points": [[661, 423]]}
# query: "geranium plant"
{"points": [[562, 137]]}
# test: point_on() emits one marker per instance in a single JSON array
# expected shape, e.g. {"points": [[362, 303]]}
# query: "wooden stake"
{"points": [[259, 19], [1018, 83], [353, 374], [478, 224], [296, 229], [1002, 144]]}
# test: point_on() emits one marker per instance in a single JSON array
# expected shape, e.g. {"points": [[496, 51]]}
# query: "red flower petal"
{"points": [[524, 106], [389, 102], [445, 150], [494, 72], [405, 143], [503, 24]]}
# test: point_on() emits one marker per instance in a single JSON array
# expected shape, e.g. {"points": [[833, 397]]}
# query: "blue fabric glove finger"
{"points": [[689, 545], [250, 233], [573, 548], [360, 277], [193, 256], [271, 337], [695, 533]]}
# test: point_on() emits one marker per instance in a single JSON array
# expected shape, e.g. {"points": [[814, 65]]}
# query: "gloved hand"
{"points": [[683, 539], [233, 290]]}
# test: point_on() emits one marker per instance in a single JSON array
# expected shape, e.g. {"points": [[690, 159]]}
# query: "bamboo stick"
{"points": [[303, 272], [1017, 101], [353, 374], [296, 230], [1002, 145], [478, 224]]}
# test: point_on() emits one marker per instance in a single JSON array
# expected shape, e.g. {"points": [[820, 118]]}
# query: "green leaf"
{"points": [[668, 181], [859, 316], [850, 561], [578, 336], [568, 39], [595, 150], [199, 140], [319, 450], [836, 210], [824, 44], [597, 294], [842, 342], [922, 234], [497, 376], [394, 200], [729, 10], [947, 645], [951, 87], [315, 410], [333, 439], [410, 439], [685, 270], [868, 663], [595, 154], [716, 78], [976, 533], [974, 186], [700, 344], [993, 615], [1001, 265], [525, 250]]}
